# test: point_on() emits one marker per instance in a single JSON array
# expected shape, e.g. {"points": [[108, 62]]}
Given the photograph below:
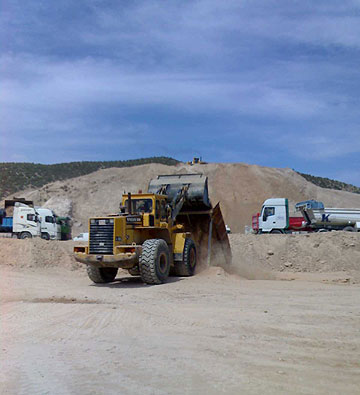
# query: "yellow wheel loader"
{"points": [[167, 230]]}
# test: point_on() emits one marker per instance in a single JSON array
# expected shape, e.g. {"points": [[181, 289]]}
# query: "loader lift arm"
{"points": [[188, 198], [178, 201]]}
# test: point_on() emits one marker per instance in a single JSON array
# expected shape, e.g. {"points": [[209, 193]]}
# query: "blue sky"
{"points": [[270, 82]]}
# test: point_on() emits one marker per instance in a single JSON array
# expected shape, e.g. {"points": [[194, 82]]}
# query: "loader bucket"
{"points": [[199, 218], [207, 229], [197, 194]]}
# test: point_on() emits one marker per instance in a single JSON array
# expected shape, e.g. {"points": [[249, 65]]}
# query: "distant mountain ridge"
{"points": [[16, 177], [328, 183]]}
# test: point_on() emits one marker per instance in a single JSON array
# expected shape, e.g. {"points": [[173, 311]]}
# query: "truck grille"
{"points": [[101, 236]]}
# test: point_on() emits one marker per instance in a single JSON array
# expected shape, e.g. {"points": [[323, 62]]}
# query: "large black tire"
{"points": [[25, 235], [276, 232], [349, 229], [154, 262], [186, 268], [100, 275], [45, 236]]}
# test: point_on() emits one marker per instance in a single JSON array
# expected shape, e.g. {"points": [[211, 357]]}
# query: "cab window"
{"points": [[163, 209], [31, 217], [139, 206], [157, 211], [268, 212], [49, 219]]}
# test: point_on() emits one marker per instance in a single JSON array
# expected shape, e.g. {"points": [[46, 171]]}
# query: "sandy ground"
{"points": [[213, 333]]}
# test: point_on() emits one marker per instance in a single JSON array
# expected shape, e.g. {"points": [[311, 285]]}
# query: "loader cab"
{"points": [[151, 206]]}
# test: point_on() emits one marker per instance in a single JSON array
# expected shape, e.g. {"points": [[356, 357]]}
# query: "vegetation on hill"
{"points": [[15, 177], [330, 184]]}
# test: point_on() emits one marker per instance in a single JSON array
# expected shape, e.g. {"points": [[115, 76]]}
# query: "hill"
{"points": [[240, 188], [15, 177], [324, 182]]}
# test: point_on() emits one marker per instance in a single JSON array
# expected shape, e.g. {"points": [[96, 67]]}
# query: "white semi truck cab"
{"points": [[48, 224], [23, 222], [274, 215]]}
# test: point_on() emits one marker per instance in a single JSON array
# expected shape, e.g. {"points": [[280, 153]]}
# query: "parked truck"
{"points": [[319, 217], [274, 217], [50, 229], [19, 219]]}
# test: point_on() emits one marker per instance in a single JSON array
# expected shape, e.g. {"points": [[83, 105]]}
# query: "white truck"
{"points": [[320, 217], [50, 229], [274, 217], [20, 220]]}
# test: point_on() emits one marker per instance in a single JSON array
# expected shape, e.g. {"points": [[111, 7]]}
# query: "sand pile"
{"points": [[254, 256], [37, 253], [261, 256], [240, 188]]}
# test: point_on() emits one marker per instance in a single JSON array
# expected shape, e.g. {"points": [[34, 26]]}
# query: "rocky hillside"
{"points": [[324, 182]]}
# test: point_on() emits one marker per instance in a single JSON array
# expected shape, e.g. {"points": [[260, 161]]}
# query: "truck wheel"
{"points": [[45, 236], [134, 271], [276, 232], [349, 229], [154, 263], [25, 235], [101, 274], [186, 268]]}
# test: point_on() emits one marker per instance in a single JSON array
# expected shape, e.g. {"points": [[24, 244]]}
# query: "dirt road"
{"points": [[210, 334]]}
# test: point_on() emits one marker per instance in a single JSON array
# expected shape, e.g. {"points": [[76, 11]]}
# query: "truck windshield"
{"points": [[139, 206]]}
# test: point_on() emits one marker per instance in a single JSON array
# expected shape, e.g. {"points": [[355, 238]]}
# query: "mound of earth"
{"points": [[37, 253], [270, 256], [254, 256], [240, 188]]}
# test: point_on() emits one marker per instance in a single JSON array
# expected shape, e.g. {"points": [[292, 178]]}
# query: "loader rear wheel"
{"points": [[349, 229], [154, 262], [100, 275], [186, 268]]}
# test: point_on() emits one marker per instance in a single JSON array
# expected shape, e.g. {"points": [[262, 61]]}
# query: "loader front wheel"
{"points": [[100, 275], [154, 262], [186, 268]]}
